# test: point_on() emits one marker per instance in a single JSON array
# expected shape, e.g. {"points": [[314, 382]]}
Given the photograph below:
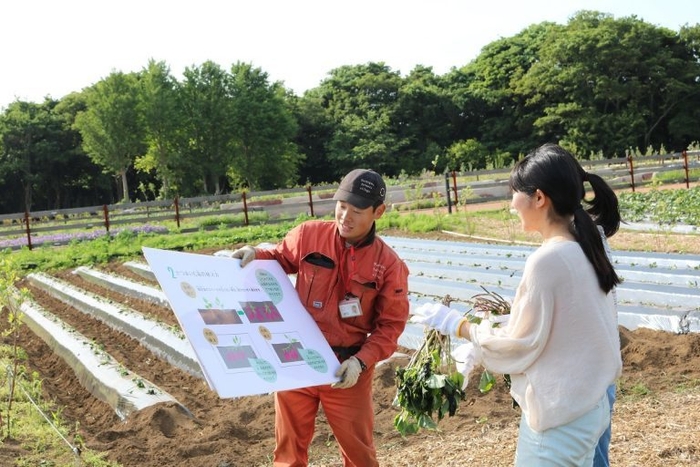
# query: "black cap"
{"points": [[362, 188]]}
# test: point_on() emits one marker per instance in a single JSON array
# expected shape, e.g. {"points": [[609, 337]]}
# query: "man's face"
{"points": [[354, 223]]}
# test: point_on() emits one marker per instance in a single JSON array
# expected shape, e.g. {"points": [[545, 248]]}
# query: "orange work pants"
{"points": [[350, 414]]}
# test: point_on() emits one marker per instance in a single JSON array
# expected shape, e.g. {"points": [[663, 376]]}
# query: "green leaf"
{"points": [[405, 424], [436, 381], [486, 382], [457, 379], [425, 421]]}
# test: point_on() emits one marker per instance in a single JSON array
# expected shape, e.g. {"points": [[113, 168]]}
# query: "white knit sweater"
{"points": [[561, 346]]}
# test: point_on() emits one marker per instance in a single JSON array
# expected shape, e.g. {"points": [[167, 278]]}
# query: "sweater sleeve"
{"points": [[514, 347]]}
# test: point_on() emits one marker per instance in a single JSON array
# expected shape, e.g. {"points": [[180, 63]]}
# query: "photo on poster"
{"points": [[261, 312], [236, 351], [219, 316], [288, 348]]}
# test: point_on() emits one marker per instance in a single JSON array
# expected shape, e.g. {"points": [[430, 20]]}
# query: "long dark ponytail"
{"points": [[557, 173]]}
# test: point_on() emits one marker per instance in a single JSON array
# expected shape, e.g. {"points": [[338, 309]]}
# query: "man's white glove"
{"points": [[439, 317], [348, 373], [246, 254]]}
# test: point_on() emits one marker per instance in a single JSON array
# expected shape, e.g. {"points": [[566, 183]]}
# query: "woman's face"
{"points": [[526, 207]]}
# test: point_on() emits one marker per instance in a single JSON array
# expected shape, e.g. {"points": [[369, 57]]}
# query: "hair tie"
{"points": [[585, 176]]}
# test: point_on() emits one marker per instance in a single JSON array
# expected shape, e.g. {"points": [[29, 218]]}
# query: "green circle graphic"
{"points": [[270, 285], [314, 359], [263, 369]]}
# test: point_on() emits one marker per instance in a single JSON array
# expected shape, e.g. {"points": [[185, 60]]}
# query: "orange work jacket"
{"points": [[328, 269]]}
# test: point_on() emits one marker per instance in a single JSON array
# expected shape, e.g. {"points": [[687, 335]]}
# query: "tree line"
{"points": [[601, 87]]}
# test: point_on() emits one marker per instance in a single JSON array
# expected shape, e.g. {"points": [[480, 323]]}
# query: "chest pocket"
{"points": [[320, 278], [366, 290]]}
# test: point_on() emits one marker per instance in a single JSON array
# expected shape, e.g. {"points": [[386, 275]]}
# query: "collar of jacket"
{"points": [[369, 238]]}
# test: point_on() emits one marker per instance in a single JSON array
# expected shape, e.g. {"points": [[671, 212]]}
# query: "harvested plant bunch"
{"points": [[489, 303], [429, 386]]}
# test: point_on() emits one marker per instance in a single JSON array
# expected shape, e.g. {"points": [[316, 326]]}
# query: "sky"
{"points": [[50, 48]]}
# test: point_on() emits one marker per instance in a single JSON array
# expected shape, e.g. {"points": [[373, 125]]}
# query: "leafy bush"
{"points": [[662, 206]]}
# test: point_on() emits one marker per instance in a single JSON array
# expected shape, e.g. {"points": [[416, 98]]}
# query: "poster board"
{"points": [[247, 326]]}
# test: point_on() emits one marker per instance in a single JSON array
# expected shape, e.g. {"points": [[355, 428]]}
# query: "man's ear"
{"points": [[379, 211]]}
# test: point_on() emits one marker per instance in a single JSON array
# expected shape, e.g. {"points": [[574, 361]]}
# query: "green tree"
{"points": [[315, 130], [208, 124], [72, 179], [111, 127], [684, 118], [24, 142], [467, 155], [360, 101], [424, 120], [39, 151], [263, 153], [162, 119], [605, 84], [41, 157], [495, 113]]}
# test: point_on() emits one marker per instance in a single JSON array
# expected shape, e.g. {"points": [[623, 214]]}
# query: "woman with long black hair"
{"points": [[561, 345]]}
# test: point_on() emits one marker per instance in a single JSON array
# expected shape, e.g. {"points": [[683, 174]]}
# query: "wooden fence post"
{"points": [[29, 233], [447, 193], [311, 201], [454, 184], [105, 213], [685, 166], [177, 211], [631, 169], [245, 209]]}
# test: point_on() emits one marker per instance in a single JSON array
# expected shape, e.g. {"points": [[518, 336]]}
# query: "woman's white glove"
{"points": [[439, 317], [246, 254], [348, 373], [465, 360]]}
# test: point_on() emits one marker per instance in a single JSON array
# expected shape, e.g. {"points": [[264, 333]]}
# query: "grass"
{"points": [[677, 176], [634, 391], [127, 245], [37, 427], [234, 220]]}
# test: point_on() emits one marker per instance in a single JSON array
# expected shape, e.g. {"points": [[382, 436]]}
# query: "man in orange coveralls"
{"points": [[356, 289]]}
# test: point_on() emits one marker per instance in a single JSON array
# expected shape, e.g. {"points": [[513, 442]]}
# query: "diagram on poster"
{"points": [[247, 326]]}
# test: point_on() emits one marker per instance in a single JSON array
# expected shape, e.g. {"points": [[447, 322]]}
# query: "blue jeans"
{"points": [[601, 450], [572, 444]]}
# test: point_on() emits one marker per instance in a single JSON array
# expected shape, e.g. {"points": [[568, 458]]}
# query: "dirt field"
{"points": [[655, 423], [656, 420]]}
